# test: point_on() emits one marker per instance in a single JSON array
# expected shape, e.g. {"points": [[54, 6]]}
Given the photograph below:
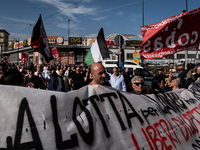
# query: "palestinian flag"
{"points": [[98, 51]]}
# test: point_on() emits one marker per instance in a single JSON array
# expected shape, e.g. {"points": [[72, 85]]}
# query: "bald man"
{"points": [[98, 74]]}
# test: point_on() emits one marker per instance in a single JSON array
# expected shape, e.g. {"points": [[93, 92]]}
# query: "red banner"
{"points": [[54, 52], [177, 33], [24, 58]]}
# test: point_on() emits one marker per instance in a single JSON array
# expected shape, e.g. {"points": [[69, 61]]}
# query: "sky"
{"points": [[18, 17]]}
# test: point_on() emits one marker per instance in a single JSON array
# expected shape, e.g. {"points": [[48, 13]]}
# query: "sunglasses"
{"points": [[142, 83]]}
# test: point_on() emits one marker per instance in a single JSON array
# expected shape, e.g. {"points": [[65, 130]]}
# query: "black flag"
{"points": [[39, 40]]}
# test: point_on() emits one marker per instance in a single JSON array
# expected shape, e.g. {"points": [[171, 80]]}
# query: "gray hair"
{"points": [[136, 78], [177, 82]]}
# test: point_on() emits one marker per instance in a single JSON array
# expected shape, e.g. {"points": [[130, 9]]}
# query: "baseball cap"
{"points": [[181, 67]]}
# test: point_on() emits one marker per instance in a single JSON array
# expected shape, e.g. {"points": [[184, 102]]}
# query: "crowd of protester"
{"points": [[65, 78]]}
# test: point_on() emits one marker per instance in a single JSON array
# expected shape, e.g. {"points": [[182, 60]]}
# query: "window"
{"points": [[109, 70], [191, 55], [130, 56], [114, 57], [180, 56], [145, 73], [169, 57], [129, 63], [110, 62]]}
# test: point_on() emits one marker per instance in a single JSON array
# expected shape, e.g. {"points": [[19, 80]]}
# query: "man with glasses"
{"points": [[137, 84]]}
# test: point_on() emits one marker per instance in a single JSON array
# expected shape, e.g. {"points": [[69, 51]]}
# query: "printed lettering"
{"points": [[129, 115], [92, 99], [150, 111], [36, 143], [60, 144], [87, 137], [109, 95]]}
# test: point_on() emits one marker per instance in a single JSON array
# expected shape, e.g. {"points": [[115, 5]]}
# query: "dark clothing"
{"points": [[127, 81], [196, 76], [78, 80], [106, 83], [66, 84], [161, 75], [153, 91], [84, 73], [71, 72], [34, 82], [134, 92], [184, 83]]}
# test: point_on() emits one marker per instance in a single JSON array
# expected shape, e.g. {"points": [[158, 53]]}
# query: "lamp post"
{"points": [[17, 40], [142, 58], [68, 40], [186, 6]]}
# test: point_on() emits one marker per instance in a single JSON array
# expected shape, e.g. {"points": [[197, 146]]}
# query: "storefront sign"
{"points": [[75, 40], [25, 43], [64, 57], [136, 57], [134, 43], [55, 39], [18, 44]]}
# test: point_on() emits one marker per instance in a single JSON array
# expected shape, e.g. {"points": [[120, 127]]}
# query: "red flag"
{"points": [[24, 58], [54, 52], [39, 40], [171, 35]]}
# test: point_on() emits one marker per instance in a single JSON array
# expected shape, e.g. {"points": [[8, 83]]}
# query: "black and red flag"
{"points": [[54, 52], [24, 58], [39, 40]]}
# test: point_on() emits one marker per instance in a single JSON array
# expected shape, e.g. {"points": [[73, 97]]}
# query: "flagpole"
{"points": [[119, 55], [142, 59], [68, 40], [186, 51], [196, 55]]}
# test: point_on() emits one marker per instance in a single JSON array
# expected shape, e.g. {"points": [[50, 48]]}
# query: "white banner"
{"points": [[98, 117]]}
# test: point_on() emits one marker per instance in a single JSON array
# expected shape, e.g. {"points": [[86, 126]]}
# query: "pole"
{"points": [[18, 53], [186, 6], [68, 40], [186, 51], [1, 54], [120, 51], [142, 12], [142, 59], [196, 55]]}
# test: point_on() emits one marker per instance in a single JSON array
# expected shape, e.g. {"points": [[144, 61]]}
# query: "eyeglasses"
{"points": [[142, 83]]}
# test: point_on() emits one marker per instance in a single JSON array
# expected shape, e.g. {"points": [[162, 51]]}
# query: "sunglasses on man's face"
{"points": [[142, 83]]}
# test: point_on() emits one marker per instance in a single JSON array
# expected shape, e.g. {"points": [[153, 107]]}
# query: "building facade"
{"points": [[4, 36], [73, 51]]}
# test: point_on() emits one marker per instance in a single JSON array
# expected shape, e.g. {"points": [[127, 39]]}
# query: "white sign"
{"points": [[99, 118]]}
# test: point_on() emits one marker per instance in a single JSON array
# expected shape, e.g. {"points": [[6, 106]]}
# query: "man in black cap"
{"points": [[33, 81]]}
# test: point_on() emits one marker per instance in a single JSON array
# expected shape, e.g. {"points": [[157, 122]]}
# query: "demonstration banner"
{"points": [[98, 117], [174, 34]]}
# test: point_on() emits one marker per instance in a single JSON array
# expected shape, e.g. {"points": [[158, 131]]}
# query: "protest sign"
{"points": [[98, 117], [172, 35]]}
